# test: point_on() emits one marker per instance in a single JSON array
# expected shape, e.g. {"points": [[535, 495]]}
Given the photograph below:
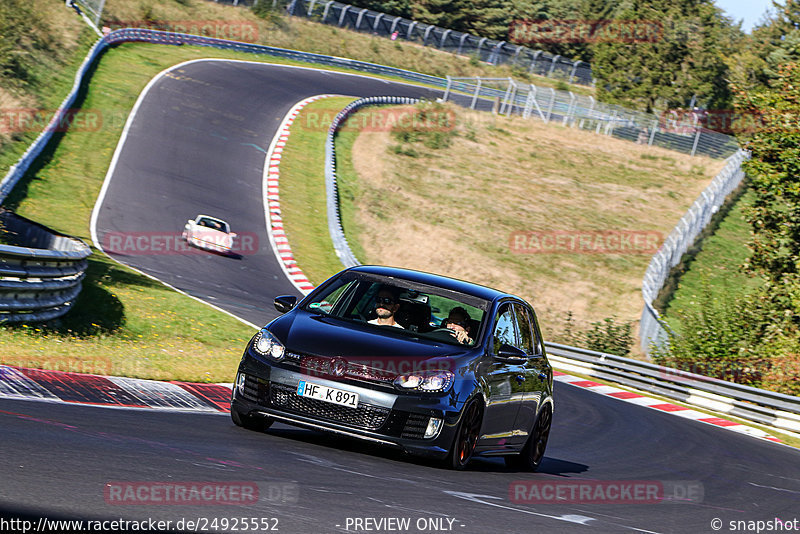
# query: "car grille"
{"points": [[321, 366], [415, 426], [365, 416], [251, 388], [407, 425]]}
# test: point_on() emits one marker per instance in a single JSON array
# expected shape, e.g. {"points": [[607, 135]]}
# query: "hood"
{"points": [[303, 332]]}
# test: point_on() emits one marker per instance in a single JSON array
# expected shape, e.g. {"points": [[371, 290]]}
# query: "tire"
{"points": [[466, 437], [532, 454]]}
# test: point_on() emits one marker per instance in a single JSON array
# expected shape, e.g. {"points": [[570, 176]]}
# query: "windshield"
{"points": [[405, 307]]}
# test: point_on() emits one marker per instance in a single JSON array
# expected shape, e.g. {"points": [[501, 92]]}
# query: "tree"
{"points": [[685, 60], [774, 171]]}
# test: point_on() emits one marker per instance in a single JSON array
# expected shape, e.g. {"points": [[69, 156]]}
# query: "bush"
{"points": [[748, 339], [607, 336]]}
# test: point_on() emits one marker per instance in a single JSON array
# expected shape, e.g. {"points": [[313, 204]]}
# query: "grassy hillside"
{"points": [[715, 267], [276, 29], [453, 206], [41, 45]]}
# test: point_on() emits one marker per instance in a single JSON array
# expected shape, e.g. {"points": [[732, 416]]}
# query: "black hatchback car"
{"points": [[433, 365]]}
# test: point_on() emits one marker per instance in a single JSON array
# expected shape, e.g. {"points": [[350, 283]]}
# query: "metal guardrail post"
{"points": [[475, 96], [552, 103], [447, 89], [574, 68], [360, 18], [553, 66], [653, 131], [463, 38], [326, 11]]}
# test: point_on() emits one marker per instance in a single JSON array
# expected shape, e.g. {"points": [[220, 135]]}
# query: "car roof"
{"points": [[445, 282]]}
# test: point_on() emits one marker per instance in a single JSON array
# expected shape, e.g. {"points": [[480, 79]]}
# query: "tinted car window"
{"points": [[504, 329], [525, 330], [420, 308]]}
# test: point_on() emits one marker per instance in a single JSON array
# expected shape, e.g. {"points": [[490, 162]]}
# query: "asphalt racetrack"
{"points": [[197, 144]]}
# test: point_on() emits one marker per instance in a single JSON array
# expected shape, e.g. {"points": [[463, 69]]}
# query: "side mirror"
{"points": [[284, 303], [509, 354]]}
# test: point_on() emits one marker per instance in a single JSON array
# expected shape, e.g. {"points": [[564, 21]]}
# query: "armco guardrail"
{"points": [[753, 404], [340, 245], [651, 329], [40, 272], [507, 96]]}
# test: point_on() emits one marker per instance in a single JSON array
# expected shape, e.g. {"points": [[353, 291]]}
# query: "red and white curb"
{"points": [[272, 201], [112, 391], [660, 405]]}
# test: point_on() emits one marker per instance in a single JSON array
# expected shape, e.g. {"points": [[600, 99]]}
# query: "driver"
{"points": [[386, 305], [458, 321]]}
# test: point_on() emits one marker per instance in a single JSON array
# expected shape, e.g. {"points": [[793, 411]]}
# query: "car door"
{"points": [[535, 371], [502, 377]]}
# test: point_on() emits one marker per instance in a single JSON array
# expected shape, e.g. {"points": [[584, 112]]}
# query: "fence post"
{"points": [[411, 29], [475, 96], [480, 45], [326, 11], [553, 66], [444, 38], [377, 20], [574, 68], [506, 96], [552, 103], [463, 38], [570, 109], [533, 61], [360, 18], [342, 14], [512, 99], [425, 37], [516, 55], [447, 89], [696, 140], [653, 132]]}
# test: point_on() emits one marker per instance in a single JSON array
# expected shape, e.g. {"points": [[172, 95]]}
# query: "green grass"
{"points": [[716, 265], [302, 190]]}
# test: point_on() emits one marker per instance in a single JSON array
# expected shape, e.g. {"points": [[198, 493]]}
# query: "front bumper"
{"points": [[383, 417]]}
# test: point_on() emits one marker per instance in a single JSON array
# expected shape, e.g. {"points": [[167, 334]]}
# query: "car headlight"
{"points": [[265, 344], [428, 381]]}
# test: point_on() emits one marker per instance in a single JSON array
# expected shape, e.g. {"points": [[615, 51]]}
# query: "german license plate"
{"points": [[326, 394]]}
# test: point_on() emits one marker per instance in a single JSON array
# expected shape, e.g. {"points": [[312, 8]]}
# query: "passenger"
{"points": [[458, 321], [386, 305]]}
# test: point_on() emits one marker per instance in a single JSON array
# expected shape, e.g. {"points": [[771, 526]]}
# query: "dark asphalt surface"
{"points": [[58, 458], [198, 146]]}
